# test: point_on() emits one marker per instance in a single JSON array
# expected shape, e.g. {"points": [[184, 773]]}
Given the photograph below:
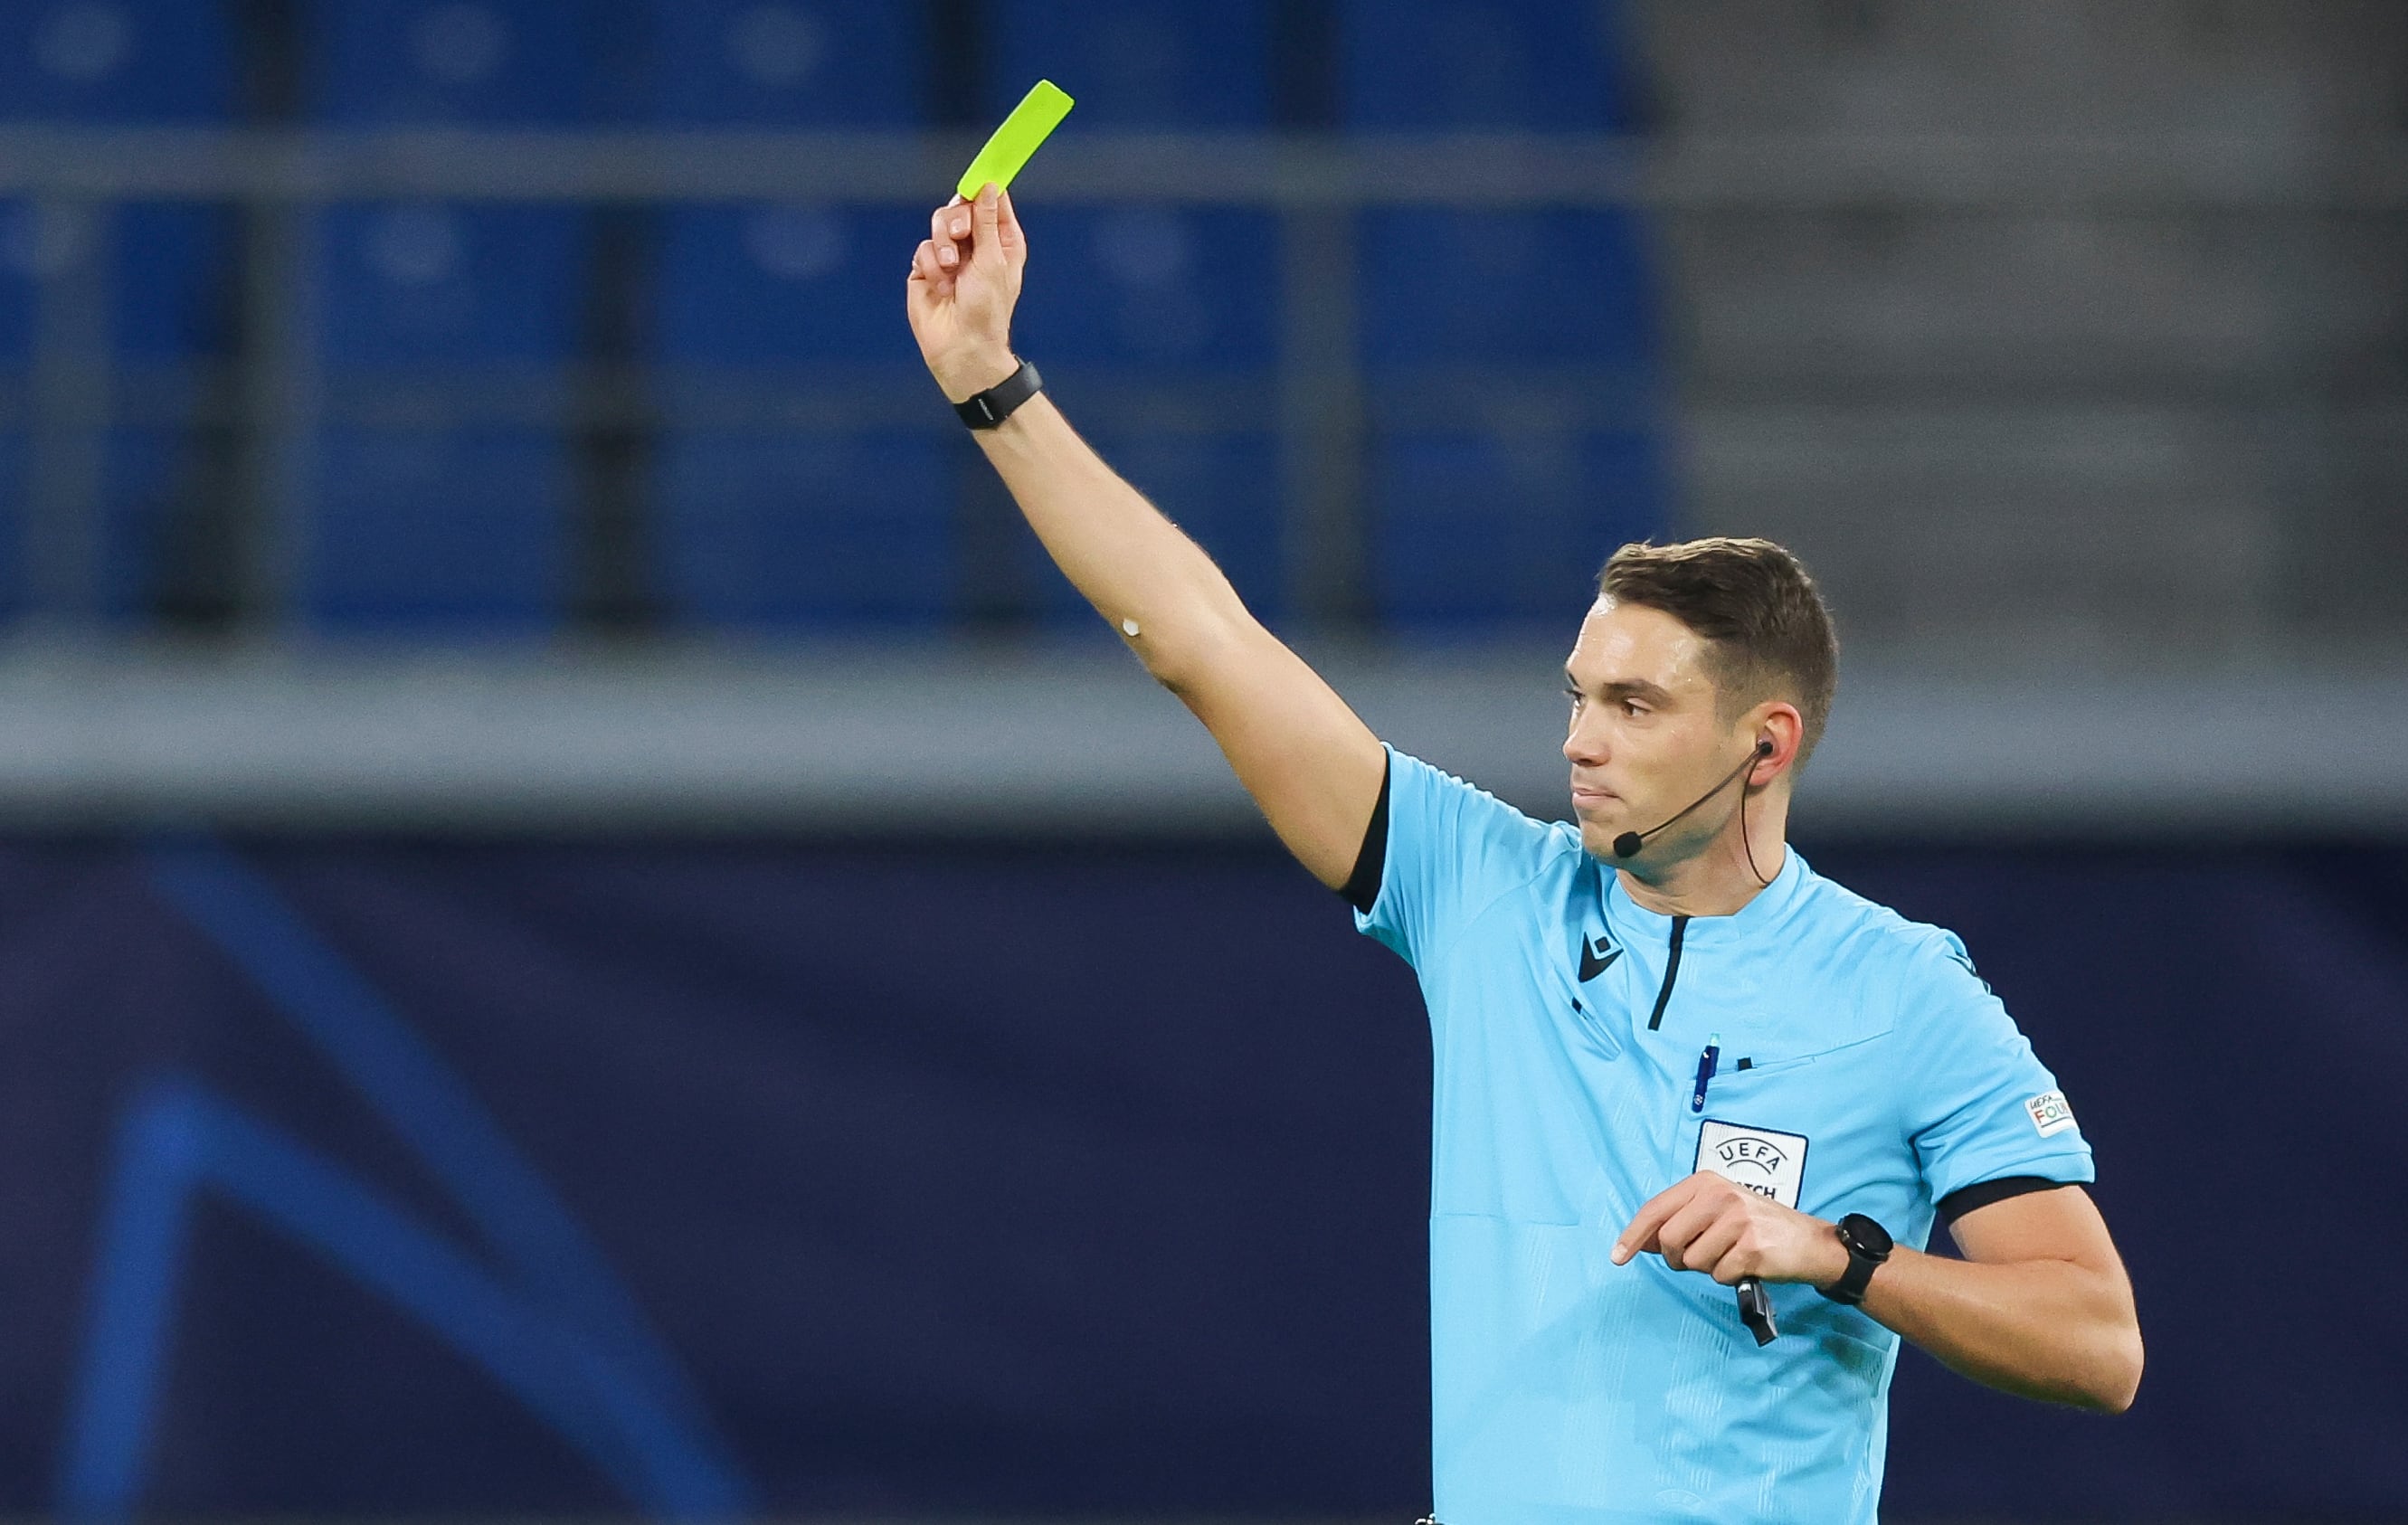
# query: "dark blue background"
{"points": [[1094, 1179]]}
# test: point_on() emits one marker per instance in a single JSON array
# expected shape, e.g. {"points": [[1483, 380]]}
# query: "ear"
{"points": [[1777, 721]]}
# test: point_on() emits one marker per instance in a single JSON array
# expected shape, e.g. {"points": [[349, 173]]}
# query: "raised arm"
{"points": [[1310, 763]]}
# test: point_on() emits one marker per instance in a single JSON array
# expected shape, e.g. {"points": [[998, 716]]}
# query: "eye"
{"points": [[1633, 708], [1573, 694]]}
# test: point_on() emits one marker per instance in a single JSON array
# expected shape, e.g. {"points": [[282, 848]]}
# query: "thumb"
{"points": [[986, 240]]}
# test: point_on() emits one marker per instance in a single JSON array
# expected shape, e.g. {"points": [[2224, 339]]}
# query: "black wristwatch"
{"points": [[992, 407], [1868, 1245]]}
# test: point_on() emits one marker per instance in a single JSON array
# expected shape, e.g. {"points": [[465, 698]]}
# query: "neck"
{"points": [[1717, 880]]}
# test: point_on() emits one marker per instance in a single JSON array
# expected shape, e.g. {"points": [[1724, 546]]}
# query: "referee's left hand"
{"points": [[1707, 1224]]}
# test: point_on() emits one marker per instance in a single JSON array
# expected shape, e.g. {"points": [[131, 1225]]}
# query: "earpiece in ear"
{"points": [[1764, 747]]}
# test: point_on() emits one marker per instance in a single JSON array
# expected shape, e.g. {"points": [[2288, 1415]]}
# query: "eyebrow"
{"points": [[1628, 688]]}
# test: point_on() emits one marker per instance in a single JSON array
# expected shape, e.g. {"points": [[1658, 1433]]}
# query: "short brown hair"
{"points": [[1765, 625]]}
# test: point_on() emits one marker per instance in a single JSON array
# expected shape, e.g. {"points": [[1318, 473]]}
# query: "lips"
{"points": [[1589, 796]]}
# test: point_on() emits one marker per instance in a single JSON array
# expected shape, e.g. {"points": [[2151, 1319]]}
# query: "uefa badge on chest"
{"points": [[1764, 1161]]}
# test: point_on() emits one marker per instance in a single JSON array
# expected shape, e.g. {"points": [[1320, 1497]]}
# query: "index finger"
{"points": [[1637, 1234]]}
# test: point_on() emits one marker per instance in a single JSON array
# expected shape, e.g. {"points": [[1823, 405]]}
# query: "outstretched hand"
{"points": [[964, 281]]}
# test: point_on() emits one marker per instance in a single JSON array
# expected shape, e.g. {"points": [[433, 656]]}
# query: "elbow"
{"points": [[2116, 1380], [1184, 652]]}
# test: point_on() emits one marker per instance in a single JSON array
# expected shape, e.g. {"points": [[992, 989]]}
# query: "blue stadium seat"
{"points": [[431, 283], [1165, 288], [1223, 490], [176, 279], [443, 532], [152, 474], [785, 285], [24, 250], [526, 62], [1517, 65], [156, 61], [454, 525], [1158, 296], [789, 63], [1556, 287], [1475, 532], [171, 277], [1170, 63], [797, 531], [170, 305], [147, 477], [808, 530]]}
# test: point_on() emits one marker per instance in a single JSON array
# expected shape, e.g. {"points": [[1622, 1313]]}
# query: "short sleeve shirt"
{"points": [[1861, 1066]]}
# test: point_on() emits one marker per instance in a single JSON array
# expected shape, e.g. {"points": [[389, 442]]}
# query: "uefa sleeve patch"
{"points": [[2049, 1113]]}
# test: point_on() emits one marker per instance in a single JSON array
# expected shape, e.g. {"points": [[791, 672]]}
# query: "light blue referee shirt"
{"points": [[1863, 1067]]}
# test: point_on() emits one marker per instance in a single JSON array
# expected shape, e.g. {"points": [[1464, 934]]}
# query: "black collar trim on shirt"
{"points": [[1672, 973]]}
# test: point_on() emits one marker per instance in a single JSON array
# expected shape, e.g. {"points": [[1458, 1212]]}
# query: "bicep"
{"points": [[1309, 760]]}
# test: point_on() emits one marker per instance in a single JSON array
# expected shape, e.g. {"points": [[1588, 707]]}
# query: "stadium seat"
{"points": [[1471, 529], [458, 524], [856, 63], [1162, 298], [1477, 533], [421, 283], [453, 532], [133, 61], [1152, 285], [794, 530], [170, 276], [523, 63], [1223, 489], [1136, 64], [800, 531], [1494, 66], [438, 513], [168, 307], [1443, 286], [785, 285]]}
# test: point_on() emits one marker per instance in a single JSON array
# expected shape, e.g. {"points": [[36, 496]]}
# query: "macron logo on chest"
{"points": [[1597, 956]]}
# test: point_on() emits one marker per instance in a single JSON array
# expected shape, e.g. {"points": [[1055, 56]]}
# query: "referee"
{"points": [[1672, 1060]]}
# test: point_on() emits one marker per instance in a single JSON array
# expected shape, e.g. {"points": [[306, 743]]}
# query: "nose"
{"points": [[1584, 743]]}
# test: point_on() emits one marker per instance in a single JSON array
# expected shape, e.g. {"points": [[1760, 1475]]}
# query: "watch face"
{"points": [[1868, 1235]]}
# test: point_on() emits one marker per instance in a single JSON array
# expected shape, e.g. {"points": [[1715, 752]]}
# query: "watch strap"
{"points": [[1863, 1260], [986, 409]]}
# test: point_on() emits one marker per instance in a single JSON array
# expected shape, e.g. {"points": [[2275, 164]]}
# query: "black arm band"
{"points": [[1957, 1204], [992, 407], [1362, 887]]}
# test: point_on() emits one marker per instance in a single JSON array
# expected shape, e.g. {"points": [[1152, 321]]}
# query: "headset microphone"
{"points": [[1628, 843]]}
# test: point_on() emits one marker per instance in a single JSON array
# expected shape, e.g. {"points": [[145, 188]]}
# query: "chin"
{"points": [[1597, 839]]}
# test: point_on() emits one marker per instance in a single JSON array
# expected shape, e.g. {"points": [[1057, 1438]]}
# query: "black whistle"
{"points": [[1756, 1311]]}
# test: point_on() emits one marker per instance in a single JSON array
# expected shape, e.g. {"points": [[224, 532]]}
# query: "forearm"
{"points": [[1131, 563], [2052, 1329], [1306, 757]]}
